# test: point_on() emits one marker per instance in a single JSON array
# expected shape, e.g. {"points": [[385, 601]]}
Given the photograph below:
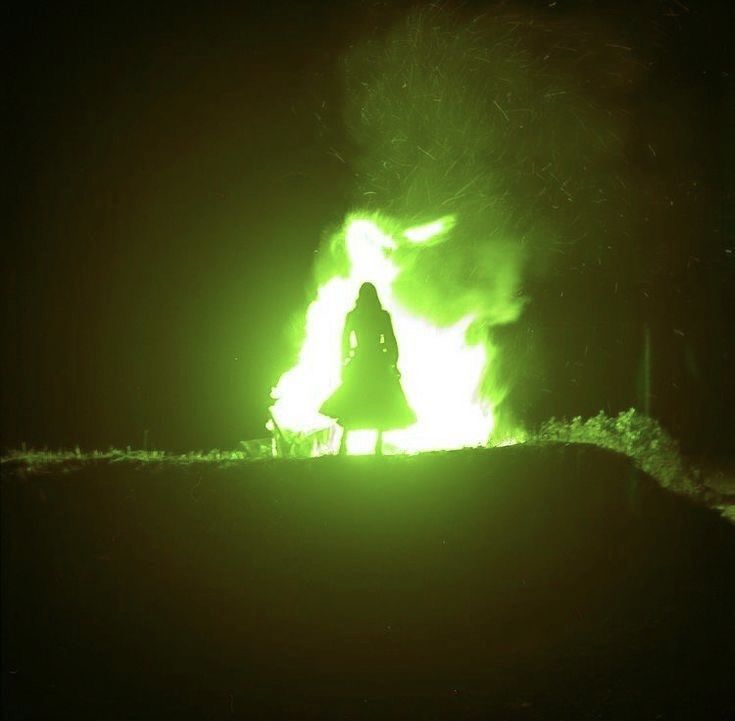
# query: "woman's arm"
{"points": [[346, 332], [389, 339]]}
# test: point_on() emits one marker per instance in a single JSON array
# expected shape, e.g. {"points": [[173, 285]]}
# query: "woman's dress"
{"points": [[370, 395]]}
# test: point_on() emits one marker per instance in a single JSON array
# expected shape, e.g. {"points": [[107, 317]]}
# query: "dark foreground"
{"points": [[517, 583]]}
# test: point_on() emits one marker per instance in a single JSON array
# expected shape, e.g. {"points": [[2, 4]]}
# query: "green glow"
{"points": [[423, 233], [442, 371], [486, 125], [361, 443]]}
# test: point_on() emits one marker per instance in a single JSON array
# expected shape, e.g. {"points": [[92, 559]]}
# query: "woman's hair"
{"points": [[367, 298]]}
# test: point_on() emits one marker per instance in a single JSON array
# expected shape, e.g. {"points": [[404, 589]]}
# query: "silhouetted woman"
{"points": [[370, 397]]}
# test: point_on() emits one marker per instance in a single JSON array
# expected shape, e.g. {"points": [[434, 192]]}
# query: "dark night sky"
{"points": [[171, 176]]}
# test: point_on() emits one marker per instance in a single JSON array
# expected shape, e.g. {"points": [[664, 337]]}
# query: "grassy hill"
{"points": [[525, 582]]}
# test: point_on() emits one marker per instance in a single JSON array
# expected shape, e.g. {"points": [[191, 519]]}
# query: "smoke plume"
{"points": [[509, 124]]}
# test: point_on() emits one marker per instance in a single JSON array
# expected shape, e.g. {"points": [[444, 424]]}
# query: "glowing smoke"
{"points": [[441, 369], [479, 148]]}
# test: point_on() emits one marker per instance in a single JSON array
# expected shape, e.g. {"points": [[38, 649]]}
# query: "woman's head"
{"points": [[367, 298]]}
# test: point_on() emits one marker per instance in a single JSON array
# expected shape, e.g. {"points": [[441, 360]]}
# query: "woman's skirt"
{"points": [[370, 396]]}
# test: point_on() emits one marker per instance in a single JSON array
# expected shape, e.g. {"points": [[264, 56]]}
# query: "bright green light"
{"points": [[424, 233], [441, 370], [361, 443]]}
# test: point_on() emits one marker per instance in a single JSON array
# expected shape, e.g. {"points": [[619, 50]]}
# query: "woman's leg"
{"points": [[343, 443], [379, 444]]}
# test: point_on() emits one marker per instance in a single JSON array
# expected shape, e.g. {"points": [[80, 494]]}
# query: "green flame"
{"points": [[442, 369]]}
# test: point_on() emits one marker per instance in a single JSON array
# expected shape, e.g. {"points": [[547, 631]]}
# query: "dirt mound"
{"points": [[520, 582]]}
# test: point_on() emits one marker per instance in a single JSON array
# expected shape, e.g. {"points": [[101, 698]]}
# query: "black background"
{"points": [[170, 178]]}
